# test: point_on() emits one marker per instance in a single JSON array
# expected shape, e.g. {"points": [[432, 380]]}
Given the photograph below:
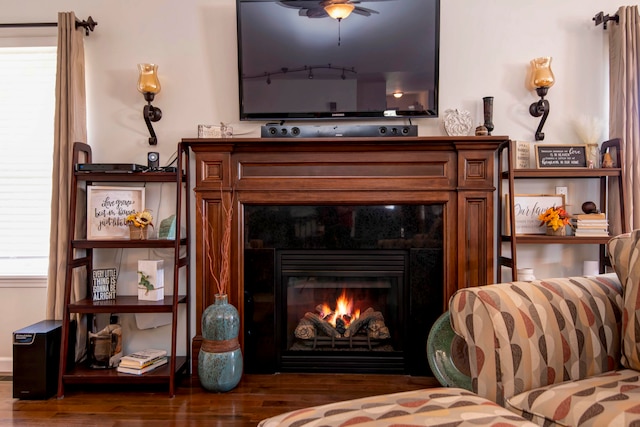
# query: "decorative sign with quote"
{"points": [[561, 156], [107, 209], [527, 208], [104, 284]]}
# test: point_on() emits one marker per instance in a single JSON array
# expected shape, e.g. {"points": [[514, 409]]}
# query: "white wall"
{"points": [[486, 46]]}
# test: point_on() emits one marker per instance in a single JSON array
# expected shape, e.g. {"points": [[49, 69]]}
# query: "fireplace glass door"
{"points": [[341, 309]]}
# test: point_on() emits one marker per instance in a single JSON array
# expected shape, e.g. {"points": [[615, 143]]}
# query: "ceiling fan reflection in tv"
{"points": [[322, 9]]}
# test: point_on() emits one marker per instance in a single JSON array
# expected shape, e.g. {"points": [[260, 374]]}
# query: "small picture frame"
{"points": [[561, 156], [103, 283], [107, 210], [527, 208]]}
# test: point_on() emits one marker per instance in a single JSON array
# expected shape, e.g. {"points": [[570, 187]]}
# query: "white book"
{"points": [[142, 358], [141, 371]]}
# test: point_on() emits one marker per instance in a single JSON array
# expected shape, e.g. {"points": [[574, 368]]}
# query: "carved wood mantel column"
{"points": [[457, 172]]}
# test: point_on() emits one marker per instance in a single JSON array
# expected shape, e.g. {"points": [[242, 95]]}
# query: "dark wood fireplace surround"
{"points": [[457, 172]]}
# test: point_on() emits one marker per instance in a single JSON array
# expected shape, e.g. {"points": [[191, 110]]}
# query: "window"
{"points": [[27, 108]]}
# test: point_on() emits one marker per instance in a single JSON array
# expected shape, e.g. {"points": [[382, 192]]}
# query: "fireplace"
{"points": [[341, 310], [334, 288], [454, 175]]}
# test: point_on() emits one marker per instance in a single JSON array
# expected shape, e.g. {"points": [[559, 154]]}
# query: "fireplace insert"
{"points": [[341, 289]]}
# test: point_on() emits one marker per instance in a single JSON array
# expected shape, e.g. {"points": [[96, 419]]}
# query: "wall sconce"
{"points": [[542, 79], [149, 85], [339, 11], [397, 94]]}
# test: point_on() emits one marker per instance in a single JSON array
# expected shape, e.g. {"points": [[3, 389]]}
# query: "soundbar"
{"points": [[330, 131]]}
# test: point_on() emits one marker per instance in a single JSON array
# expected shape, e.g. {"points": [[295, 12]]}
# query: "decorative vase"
{"points": [[562, 231], [487, 103], [137, 233], [220, 357]]}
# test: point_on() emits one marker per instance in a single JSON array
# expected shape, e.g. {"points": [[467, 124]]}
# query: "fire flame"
{"points": [[344, 306]]}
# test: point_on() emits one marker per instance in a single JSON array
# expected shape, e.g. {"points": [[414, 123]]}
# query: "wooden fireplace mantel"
{"points": [[457, 172]]}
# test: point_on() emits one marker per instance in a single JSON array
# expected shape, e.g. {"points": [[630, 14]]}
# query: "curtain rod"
{"points": [[88, 25], [601, 18]]}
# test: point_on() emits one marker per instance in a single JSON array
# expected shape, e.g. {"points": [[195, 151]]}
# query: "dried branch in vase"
{"points": [[223, 277]]}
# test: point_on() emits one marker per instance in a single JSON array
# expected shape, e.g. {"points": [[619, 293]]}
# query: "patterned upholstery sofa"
{"points": [[434, 407], [558, 351]]}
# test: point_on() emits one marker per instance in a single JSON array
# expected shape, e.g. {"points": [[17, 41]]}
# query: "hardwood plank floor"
{"points": [[256, 397]]}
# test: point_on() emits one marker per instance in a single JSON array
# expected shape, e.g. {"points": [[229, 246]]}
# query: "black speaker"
{"points": [[333, 131], [153, 160], [36, 357]]}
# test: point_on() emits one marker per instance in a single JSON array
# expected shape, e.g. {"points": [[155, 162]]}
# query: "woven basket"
{"points": [[562, 231], [137, 233]]}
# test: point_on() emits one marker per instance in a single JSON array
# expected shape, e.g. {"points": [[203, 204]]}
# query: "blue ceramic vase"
{"points": [[220, 358]]}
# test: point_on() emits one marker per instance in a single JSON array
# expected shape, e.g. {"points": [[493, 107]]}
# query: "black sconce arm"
{"points": [[540, 108], [151, 114]]}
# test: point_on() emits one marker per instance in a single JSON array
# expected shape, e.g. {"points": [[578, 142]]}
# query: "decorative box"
{"points": [[150, 279]]}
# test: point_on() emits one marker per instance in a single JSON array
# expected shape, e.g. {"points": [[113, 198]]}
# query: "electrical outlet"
{"points": [[563, 190]]}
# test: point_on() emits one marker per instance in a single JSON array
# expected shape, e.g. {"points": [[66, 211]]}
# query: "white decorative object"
{"points": [[526, 275], [457, 122], [150, 279]]}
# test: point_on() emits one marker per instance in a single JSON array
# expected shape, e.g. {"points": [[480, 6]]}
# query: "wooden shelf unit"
{"points": [[79, 373], [510, 175]]}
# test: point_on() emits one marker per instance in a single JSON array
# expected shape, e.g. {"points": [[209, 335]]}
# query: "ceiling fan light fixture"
{"points": [[339, 10]]}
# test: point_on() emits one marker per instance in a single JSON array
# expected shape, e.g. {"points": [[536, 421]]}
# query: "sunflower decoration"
{"points": [[140, 219], [555, 217]]}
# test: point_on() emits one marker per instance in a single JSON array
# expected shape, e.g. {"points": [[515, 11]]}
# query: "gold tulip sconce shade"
{"points": [[149, 86], [542, 79]]}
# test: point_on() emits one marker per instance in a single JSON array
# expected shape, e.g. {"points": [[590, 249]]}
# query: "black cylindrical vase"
{"points": [[488, 113]]}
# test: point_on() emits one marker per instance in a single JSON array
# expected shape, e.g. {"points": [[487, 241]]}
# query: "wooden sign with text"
{"points": [[104, 284], [561, 156]]}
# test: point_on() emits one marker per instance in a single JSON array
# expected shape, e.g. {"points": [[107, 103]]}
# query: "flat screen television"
{"points": [[297, 63]]}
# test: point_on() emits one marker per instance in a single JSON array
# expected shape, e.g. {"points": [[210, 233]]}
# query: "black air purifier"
{"points": [[36, 357]]}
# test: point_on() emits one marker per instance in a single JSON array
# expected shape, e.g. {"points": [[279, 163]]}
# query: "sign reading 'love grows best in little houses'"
{"points": [[107, 210]]}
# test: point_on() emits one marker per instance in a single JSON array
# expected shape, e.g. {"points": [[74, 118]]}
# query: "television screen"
{"points": [[297, 62]]}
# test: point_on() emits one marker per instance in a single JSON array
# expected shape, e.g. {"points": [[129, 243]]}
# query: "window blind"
{"points": [[27, 108]]}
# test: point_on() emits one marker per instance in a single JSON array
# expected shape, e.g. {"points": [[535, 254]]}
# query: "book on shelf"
{"points": [[590, 216], [142, 358], [151, 367], [580, 232]]}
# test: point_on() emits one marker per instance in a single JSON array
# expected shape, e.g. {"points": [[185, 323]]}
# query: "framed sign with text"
{"points": [[527, 208], [107, 210], [561, 156]]}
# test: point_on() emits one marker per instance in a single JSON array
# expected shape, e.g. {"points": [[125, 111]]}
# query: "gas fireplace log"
{"points": [[321, 324], [377, 330], [305, 330], [365, 317]]}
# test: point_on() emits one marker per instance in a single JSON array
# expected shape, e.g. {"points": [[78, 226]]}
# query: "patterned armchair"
{"points": [[549, 350]]}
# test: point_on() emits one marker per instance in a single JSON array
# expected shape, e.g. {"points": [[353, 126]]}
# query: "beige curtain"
{"points": [[624, 121], [70, 126]]}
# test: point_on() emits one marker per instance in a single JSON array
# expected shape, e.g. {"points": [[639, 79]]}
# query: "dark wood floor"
{"points": [[256, 397]]}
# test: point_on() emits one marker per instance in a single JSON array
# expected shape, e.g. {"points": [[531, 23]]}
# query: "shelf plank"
{"points": [[565, 240], [82, 374], [128, 176], [121, 243], [564, 173], [125, 304]]}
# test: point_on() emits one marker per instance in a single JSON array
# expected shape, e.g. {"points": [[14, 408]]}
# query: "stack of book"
{"points": [[591, 225], [142, 361]]}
